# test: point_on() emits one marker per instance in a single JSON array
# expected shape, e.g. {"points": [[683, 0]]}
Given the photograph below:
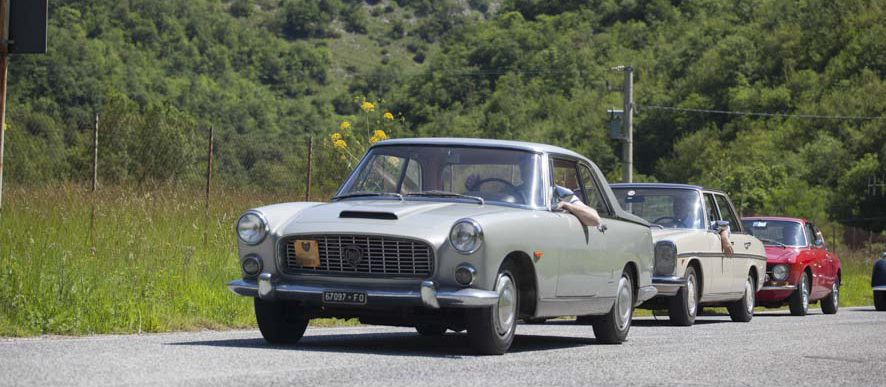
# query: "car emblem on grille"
{"points": [[306, 246], [352, 254]]}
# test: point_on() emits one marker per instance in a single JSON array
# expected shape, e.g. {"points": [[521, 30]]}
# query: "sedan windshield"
{"points": [[776, 232], [663, 207], [481, 175]]}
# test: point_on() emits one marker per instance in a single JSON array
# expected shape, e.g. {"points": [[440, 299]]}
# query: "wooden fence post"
{"points": [[208, 187], [310, 161], [94, 178]]}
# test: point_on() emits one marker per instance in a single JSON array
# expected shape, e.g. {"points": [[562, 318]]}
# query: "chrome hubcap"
{"points": [[804, 292], [691, 295], [836, 295], [749, 295], [623, 304], [505, 311]]}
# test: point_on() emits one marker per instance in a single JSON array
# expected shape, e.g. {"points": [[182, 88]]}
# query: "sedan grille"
{"points": [[362, 255]]}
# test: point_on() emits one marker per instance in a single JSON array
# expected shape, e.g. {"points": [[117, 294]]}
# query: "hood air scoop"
{"points": [[367, 215]]}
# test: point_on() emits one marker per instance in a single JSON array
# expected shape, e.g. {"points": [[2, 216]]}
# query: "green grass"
{"points": [[151, 270]]}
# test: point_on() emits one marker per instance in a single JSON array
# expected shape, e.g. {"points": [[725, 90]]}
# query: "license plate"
{"points": [[339, 297]]}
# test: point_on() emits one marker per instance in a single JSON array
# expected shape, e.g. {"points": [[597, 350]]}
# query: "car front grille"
{"points": [[381, 256]]}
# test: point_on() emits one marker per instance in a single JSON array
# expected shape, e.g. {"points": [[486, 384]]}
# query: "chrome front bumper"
{"points": [[268, 287], [881, 288], [668, 285], [778, 287]]}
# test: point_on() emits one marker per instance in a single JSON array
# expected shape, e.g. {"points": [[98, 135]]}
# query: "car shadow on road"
{"points": [[666, 322], [451, 345]]}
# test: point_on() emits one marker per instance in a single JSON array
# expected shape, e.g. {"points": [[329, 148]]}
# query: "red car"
{"points": [[799, 268]]}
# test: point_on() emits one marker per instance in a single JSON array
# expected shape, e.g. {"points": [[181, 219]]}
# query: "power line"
{"points": [[783, 115]]}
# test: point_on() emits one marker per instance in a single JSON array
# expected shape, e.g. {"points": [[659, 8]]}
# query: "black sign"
{"points": [[27, 26]]}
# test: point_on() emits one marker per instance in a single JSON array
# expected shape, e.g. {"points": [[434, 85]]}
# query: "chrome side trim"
{"points": [[706, 254], [881, 288], [425, 295], [783, 287]]}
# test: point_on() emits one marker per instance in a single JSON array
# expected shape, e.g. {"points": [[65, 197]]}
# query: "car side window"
{"points": [[566, 175], [727, 214], [711, 209], [593, 195], [810, 235]]}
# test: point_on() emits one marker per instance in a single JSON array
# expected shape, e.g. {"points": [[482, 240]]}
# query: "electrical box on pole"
{"points": [[616, 122], [27, 26]]}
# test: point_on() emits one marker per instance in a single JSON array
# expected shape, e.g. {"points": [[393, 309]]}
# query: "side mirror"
{"points": [[819, 243], [563, 194], [719, 225]]}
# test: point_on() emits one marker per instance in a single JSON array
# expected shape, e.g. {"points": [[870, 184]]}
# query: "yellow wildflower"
{"points": [[389, 116], [340, 144], [367, 106], [335, 137], [378, 135], [344, 126]]}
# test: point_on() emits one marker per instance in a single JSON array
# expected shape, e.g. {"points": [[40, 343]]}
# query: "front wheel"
{"points": [[613, 327], [831, 303], [799, 301], [684, 306], [279, 323], [491, 330], [743, 309], [880, 301]]}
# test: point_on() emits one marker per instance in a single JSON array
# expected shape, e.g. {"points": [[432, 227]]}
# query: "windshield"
{"points": [[783, 232], [497, 176], [665, 207]]}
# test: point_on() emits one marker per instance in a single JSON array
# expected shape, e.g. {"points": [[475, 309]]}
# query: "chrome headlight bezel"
{"points": [[476, 237], [776, 270], [262, 229]]}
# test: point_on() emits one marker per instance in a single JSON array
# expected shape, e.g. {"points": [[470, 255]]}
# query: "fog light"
{"points": [[464, 275], [251, 265]]}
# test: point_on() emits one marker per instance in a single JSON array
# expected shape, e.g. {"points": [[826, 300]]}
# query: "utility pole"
{"points": [[4, 61], [627, 152]]}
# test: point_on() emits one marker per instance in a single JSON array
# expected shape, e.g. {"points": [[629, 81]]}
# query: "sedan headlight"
{"points": [[780, 272], [252, 228], [665, 258], [466, 236]]}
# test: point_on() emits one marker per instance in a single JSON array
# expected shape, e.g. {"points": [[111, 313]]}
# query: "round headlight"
{"points": [[780, 272], [466, 236], [252, 228]]}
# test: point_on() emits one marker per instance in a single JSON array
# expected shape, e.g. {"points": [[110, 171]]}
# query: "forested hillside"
{"points": [[266, 74]]}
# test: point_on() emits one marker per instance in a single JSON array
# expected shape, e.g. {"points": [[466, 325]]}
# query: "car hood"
{"points": [[428, 220], [776, 254]]}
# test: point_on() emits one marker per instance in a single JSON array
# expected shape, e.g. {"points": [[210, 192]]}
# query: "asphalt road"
{"points": [[847, 349]]}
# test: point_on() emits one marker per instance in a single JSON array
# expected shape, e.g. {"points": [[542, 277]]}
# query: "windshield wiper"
{"points": [[656, 225], [359, 194], [782, 245], [447, 194]]}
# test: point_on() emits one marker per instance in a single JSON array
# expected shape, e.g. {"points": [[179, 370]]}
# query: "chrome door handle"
{"points": [[602, 228]]}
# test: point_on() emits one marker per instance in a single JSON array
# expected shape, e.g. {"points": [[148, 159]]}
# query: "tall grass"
{"points": [[160, 262]]}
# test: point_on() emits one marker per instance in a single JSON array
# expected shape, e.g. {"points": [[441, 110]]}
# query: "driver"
{"points": [[683, 209]]}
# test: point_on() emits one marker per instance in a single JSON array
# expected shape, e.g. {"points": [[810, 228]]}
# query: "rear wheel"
{"points": [[880, 301], [491, 330], [684, 306], [743, 309], [799, 301], [613, 327], [831, 303], [278, 322]]}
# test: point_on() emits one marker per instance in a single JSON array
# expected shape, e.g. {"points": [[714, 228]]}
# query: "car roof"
{"points": [[482, 142], [782, 218], [661, 185]]}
